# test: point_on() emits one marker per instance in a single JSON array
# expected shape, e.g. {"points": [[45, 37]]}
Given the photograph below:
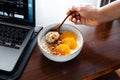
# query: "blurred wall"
{"points": [[54, 11]]}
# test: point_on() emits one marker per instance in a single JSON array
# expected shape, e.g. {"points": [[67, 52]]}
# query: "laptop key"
{"points": [[11, 36]]}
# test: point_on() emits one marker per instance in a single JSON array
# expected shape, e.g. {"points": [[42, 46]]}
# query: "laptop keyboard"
{"points": [[11, 36]]}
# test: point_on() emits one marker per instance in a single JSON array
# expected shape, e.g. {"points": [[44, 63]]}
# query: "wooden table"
{"points": [[100, 55]]}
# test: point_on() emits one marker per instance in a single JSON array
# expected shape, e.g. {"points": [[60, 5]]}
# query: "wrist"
{"points": [[99, 17]]}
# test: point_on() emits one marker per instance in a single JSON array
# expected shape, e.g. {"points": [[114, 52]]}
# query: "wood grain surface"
{"points": [[100, 55]]}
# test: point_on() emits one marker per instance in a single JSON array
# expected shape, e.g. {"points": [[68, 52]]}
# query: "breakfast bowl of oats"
{"points": [[60, 46]]}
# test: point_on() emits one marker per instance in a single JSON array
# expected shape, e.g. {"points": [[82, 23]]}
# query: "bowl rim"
{"points": [[38, 41]]}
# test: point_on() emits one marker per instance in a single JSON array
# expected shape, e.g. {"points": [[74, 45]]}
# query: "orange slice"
{"points": [[68, 34], [63, 49], [70, 41]]}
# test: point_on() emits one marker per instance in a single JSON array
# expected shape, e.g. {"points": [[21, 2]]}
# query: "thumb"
{"points": [[75, 8], [80, 9]]}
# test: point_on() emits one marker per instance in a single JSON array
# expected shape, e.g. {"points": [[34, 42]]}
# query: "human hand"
{"points": [[84, 14]]}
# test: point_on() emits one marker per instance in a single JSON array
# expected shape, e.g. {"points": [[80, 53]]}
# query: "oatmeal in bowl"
{"points": [[63, 46]]}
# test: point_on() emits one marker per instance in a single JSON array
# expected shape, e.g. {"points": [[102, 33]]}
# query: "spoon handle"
{"points": [[58, 27]]}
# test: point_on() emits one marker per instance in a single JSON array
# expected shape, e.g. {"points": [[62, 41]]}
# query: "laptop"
{"points": [[17, 22]]}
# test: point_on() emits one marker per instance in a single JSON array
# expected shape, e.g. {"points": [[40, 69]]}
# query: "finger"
{"points": [[82, 20], [74, 20], [78, 22], [75, 8], [78, 17], [70, 18], [77, 14], [68, 12]]}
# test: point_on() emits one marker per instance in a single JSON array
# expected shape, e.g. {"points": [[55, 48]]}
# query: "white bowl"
{"points": [[65, 27]]}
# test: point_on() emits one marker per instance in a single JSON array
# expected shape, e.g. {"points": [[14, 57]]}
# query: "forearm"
{"points": [[110, 12]]}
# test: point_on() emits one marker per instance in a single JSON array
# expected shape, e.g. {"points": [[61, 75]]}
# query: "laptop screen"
{"points": [[17, 11]]}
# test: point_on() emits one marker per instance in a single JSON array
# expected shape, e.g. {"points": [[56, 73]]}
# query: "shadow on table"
{"points": [[109, 76], [103, 31]]}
